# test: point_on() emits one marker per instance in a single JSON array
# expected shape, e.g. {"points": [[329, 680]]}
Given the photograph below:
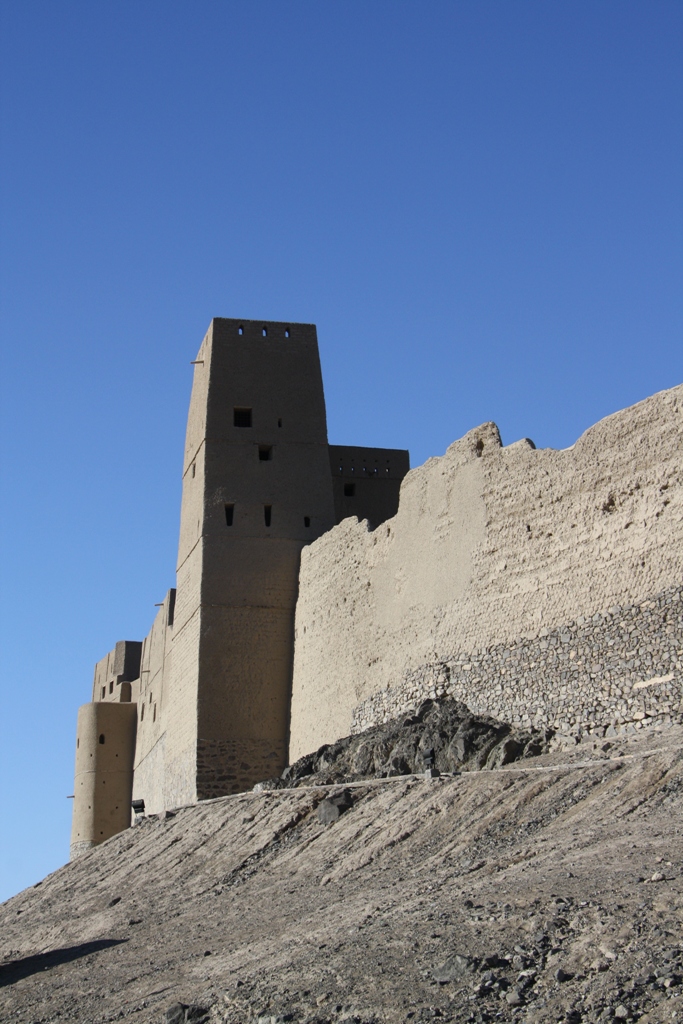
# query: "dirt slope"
{"points": [[514, 894]]}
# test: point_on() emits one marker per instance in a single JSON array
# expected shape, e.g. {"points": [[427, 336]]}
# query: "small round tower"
{"points": [[103, 785]]}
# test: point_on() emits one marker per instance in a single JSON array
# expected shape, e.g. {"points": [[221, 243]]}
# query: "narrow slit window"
{"points": [[101, 737], [240, 330], [111, 687], [264, 332], [142, 713], [265, 452], [194, 469], [279, 423], [307, 520], [349, 490], [267, 514], [229, 514], [154, 714], [286, 332], [104, 692], [242, 417]]}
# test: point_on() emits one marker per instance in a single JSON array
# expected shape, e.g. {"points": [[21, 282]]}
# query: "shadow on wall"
{"points": [[15, 970]]}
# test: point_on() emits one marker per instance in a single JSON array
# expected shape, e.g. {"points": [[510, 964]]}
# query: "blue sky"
{"points": [[478, 203]]}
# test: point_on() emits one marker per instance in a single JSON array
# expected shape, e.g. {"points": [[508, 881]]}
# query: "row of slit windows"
{"points": [[267, 516], [372, 471], [265, 454], [264, 331]]}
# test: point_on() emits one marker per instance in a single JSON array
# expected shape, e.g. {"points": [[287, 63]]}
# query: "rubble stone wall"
{"points": [[231, 765], [610, 673]]}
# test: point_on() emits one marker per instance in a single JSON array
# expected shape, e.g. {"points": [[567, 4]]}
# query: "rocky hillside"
{"points": [[545, 890], [443, 734]]}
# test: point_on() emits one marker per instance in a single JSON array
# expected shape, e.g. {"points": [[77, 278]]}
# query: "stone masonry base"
{"points": [[235, 766], [611, 673]]}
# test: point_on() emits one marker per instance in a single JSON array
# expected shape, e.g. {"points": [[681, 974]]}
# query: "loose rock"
{"points": [[333, 807], [456, 968], [442, 736]]}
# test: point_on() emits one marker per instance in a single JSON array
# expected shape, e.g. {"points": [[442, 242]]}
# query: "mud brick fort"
{"points": [[323, 589]]}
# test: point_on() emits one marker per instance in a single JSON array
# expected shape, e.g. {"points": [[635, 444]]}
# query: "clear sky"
{"points": [[478, 203]]}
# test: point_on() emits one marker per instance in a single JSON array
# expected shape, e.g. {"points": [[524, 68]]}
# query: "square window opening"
{"points": [[267, 514], [265, 452], [242, 417], [349, 490]]}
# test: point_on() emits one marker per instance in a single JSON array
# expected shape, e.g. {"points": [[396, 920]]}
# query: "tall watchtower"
{"points": [[201, 707], [256, 488]]}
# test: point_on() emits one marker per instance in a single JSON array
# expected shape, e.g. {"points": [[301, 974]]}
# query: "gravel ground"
{"points": [[550, 890]]}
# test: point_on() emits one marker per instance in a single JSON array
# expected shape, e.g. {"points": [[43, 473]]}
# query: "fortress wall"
{"points": [[180, 703], [155, 669], [246, 652], [491, 549], [104, 677], [175, 751]]}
